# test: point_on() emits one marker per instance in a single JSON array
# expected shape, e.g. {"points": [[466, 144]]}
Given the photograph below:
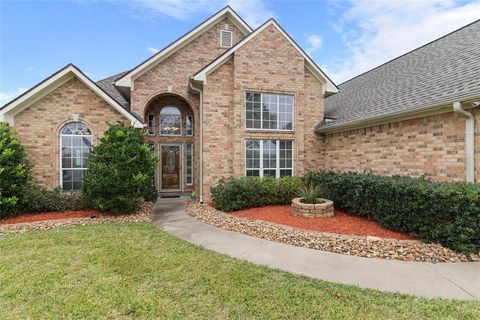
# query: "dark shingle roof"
{"points": [[108, 85], [443, 71]]}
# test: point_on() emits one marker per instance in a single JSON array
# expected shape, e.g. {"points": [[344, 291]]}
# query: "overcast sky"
{"points": [[345, 37]]}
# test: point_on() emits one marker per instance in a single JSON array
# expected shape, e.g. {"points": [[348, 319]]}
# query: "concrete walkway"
{"points": [[446, 280]]}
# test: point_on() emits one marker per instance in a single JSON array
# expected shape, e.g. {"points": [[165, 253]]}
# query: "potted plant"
{"points": [[309, 204]]}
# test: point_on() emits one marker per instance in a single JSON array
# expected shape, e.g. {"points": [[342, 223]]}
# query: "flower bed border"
{"points": [[369, 247], [322, 209]]}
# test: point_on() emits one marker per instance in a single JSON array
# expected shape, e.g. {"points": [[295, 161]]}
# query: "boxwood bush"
{"points": [[447, 213], [232, 194]]}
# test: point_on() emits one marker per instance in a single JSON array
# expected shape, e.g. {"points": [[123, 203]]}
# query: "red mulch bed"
{"points": [[55, 215], [340, 223]]}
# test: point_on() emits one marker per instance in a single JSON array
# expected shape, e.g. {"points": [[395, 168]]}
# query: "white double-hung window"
{"points": [[268, 111], [272, 158]]}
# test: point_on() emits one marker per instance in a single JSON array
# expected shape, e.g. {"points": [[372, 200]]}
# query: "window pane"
{"points": [[252, 154], [253, 173], [269, 154], [285, 173], [170, 121], [76, 148], [151, 124], [189, 164], [189, 125], [271, 164], [285, 155], [269, 111], [253, 111]]}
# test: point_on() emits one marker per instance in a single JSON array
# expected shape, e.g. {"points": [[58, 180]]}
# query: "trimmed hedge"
{"points": [[39, 199], [232, 194], [447, 213]]}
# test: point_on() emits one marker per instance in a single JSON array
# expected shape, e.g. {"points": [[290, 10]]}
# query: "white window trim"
{"points": [[148, 123], [61, 154], [277, 169], [231, 38], [191, 122], [261, 112], [191, 155]]}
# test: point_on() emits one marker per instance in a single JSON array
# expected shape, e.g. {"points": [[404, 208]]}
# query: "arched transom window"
{"points": [[76, 147], [170, 121]]}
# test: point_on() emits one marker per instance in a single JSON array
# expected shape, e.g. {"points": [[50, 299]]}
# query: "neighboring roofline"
{"points": [[312, 66], [438, 108], [400, 56], [126, 80], [23, 101]]}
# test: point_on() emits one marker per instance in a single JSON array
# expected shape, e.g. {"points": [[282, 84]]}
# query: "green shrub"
{"points": [[309, 193], [232, 194], [121, 171], [447, 213], [14, 171], [40, 199]]}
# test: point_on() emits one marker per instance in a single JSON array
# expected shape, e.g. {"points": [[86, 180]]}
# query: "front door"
{"points": [[170, 168]]}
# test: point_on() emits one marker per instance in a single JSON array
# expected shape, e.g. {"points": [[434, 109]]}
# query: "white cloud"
{"points": [[314, 43], [254, 12], [7, 97], [377, 31], [152, 50]]}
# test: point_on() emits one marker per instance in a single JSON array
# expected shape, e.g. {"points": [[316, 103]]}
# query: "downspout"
{"points": [[469, 141], [200, 92]]}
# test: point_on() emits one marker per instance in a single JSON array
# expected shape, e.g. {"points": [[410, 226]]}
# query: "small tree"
{"points": [[14, 171], [121, 171]]}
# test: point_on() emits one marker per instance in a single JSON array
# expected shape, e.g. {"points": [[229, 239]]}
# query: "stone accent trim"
{"points": [[323, 209]]}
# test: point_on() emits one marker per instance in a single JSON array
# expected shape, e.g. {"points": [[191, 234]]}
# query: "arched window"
{"points": [[76, 146], [170, 121]]}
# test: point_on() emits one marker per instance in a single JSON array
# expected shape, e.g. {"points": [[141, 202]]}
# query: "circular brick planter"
{"points": [[322, 209]]}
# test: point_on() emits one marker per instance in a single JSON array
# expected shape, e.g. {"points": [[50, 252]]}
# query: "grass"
{"points": [[134, 270]]}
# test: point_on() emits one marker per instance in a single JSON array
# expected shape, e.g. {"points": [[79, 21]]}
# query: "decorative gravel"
{"points": [[142, 216], [363, 246]]}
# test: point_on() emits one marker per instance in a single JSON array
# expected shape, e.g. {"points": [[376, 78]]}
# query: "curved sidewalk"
{"points": [[446, 280]]}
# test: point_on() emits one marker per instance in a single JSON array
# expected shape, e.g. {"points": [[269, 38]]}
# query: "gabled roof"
{"points": [[425, 79], [227, 12], [70, 71], [329, 86]]}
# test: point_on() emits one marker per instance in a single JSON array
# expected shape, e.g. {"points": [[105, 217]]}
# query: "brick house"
{"points": [[226, 100]]}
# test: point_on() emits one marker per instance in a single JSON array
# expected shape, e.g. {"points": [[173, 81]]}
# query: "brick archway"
{"points": [[179, 174]]}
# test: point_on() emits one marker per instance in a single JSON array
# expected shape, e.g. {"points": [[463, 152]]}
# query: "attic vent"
{"points": [[225, 38]]}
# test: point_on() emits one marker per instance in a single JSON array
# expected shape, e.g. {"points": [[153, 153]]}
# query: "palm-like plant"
{"points": [[309, 193]]}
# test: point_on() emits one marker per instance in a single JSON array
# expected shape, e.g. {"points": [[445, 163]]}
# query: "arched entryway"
{"points": [[170, 121]]}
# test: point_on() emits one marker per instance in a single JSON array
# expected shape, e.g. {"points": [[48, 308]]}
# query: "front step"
{"points": [[173, 195]]}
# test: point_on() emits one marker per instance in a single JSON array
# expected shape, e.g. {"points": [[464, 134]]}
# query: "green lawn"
{"points": [[134, 270]]}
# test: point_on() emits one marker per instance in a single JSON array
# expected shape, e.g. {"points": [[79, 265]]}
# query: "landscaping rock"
{"points": [[142, 216], [371, 247]]}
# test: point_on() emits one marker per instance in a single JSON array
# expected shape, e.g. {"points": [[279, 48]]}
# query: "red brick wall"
{"points": [[39, 126]]}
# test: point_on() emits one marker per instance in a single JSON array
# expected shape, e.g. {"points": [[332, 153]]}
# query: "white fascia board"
{"points": [[51, 84], [329, 86], [126, 80]]}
